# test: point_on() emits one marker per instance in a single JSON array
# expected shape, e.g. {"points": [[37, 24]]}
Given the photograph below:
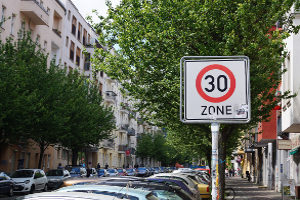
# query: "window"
{"points": [[79, 32], [45, 44], [67, 41], [74, 22], [13, 18], [78, 51], [84, 37], [101, 73], [89, 39], [87, 62], [41, 3], [3, 14], [23, 26], [100, 88], [72, 49], [27, 160], [69, 15]]}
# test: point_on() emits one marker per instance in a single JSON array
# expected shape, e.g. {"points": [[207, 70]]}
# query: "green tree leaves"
{"points": [[43, 103]]}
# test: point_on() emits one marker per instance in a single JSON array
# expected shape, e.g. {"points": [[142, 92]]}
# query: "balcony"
{"points": [[124, 127], [122, 148], [131, 132], [57, 32], [35, 11], [110, 96], [124, 108], [108, 144]]}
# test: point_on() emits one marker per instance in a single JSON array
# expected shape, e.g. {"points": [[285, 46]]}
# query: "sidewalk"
{"points": [[250, 191]]}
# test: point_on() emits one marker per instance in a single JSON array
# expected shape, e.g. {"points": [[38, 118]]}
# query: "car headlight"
{"points": [[27, 181]]}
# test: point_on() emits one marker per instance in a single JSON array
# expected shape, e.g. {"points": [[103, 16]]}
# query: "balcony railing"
{"points": [[122, 148], [108, 143], [110, 95], [57, 32], [124, 127], [131, 132], [35, 11]]}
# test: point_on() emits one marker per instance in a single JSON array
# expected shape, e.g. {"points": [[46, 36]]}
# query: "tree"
{"points": [[89, 120], [152, 36], [145, 146]]}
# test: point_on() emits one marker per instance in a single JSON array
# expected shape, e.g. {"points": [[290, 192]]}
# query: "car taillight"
{"points": [[207, 189]]}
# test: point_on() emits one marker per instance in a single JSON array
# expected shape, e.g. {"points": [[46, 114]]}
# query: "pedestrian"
{"points": [[98, 166], [226, 172], [248, 176], [88, 172], [59, 166], [106, 166]]}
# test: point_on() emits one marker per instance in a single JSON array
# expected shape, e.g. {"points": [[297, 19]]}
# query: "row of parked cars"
{"points": [[180, 184]]}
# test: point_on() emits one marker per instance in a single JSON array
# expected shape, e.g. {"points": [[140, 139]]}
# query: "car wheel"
{"points": [[45, 188], [32, 188], [11, 191]]}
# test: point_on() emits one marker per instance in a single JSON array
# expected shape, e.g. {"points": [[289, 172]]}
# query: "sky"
{"points": [[85, 7]]}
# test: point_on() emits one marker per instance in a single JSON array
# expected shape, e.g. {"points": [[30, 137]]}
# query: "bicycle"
{"points": [[229, 194]]}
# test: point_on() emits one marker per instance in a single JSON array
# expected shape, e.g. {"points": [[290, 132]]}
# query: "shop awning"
{"points": [[294, 151]]}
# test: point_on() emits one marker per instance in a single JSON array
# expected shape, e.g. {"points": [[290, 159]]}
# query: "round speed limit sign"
{"points": [[215, 83], [215, 90]]}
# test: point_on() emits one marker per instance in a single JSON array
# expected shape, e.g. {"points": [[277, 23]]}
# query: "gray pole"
{"points": [[214, 158]]}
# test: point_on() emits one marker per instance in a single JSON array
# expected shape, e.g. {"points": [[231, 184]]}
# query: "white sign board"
{"points": [[215, 89]]}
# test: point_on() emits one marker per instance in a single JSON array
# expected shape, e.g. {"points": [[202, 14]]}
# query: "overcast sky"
{"points": [[85, 7]]}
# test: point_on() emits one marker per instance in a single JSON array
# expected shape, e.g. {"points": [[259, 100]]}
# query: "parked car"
{"points": [[102, 173], [113, 172], [151, 171], [119, 192], [193, 186], [29, 180], [142, 171], [56, 177], [122, 172], [131, 172], [6, 184], [79, 180], [67, 196], [161, 190], [178, 183], [93, 172], [77, 171]]}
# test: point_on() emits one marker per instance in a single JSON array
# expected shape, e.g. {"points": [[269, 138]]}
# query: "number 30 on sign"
{"points": [[215, 89]]}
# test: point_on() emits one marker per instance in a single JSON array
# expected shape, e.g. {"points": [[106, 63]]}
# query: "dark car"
{"points": [[77, 171], [131, 172], [56, 177], [173, 182], [102, 173], [142, 171], [161, 190], [6, 184]]}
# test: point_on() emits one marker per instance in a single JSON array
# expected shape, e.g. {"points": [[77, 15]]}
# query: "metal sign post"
{"points": [[215, 90], [214, 158]]}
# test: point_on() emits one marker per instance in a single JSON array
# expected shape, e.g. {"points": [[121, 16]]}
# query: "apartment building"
{"points": [[59, 28], [44, 19]]}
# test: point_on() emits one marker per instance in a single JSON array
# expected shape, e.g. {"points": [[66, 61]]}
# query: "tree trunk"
{"points": [[43, 148], [74, 156]]}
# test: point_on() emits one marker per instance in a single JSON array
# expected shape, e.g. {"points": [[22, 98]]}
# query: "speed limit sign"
{"points": [[215, 89]]}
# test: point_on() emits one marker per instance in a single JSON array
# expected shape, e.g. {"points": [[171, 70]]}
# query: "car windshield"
{"points": [[101, 171], [75, 171], [142, 168], [111, 171], [55, 172], [120, 170], [129, 170], [23, 174]]}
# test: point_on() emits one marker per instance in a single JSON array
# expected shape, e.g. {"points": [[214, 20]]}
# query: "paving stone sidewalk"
{"points": [[250, 191]]}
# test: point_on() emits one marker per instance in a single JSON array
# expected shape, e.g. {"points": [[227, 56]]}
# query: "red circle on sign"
{"points": [[215, 99]]}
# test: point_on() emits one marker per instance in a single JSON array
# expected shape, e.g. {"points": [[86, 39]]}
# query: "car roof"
{"points": [[140, 184], [67, 196], [29, 169], [107, 188]]}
